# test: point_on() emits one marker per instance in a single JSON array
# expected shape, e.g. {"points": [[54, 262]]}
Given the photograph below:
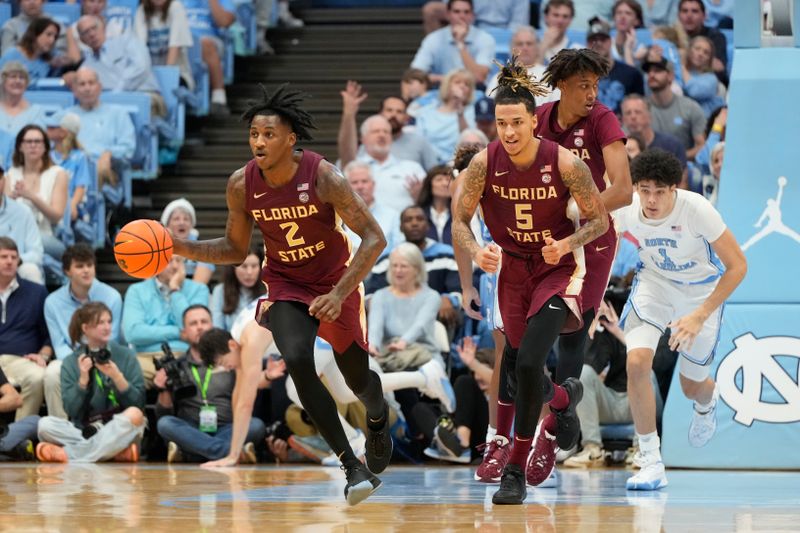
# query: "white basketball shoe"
{"points": [[652, 475], [704, 425]]}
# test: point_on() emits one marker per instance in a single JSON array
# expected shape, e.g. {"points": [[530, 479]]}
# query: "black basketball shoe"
{"points": [[361, 483], [568, 426], [512, 486], [379, 443]]}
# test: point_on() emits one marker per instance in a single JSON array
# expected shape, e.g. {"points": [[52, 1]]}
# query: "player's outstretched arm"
{"points": [[578, 179], [465, 202], [334, 189], [469, 295], [620, 193], [232, 248]]}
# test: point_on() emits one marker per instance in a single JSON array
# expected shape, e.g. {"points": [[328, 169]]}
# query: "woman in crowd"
{"points": [[180, 219], [15, 110], [699, 81], [68, 153], [35, 48], [441, 125], [434, 197], [164, 27], [240, 285]]}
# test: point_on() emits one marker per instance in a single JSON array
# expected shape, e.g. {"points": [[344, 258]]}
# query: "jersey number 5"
{"points": [[524, 216], [291, 232]]}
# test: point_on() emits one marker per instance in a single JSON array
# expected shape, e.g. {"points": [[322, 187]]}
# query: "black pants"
{"points": [[295, 332], [572, 350]]}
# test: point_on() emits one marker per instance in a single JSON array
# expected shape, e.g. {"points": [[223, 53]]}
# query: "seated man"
{"points": [[18, 224], [359, 175], [107, 133], [202, 423], [79, 263], [16, 440], [24, 343], [103, 394], [122, 63], [152, 312], [459, 45]]}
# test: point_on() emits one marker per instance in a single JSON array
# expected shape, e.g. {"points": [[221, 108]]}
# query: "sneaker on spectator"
{"points": [[446, 440], [128, 455], [313, 447], [542, 458], [651, 477], [563, 455], [591, 455], [174, 454], [47, 452], [437, 385], [219, 110], [360, 482], [704, 425], [495, 458], [357, 443], [435, 452], [286, 18], [24, 451], [248, 454]]}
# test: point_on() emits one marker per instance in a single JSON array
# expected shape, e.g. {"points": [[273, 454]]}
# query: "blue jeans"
{"points": [[210, 446], [24, 429]]}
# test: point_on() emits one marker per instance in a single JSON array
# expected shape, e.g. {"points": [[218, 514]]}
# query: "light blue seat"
{"points": [[52, 101], [5, 12], [63, 13], [202, 90], [168, 77], [502, 38]]}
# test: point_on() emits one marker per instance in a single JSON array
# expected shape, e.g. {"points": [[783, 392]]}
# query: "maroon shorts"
{"points": [[350, 327], [524, 287], [599, 256]]}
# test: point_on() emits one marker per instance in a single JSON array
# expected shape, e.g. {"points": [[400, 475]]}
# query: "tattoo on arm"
{"points": [[468, 195], [334, 189], [583, 189]]}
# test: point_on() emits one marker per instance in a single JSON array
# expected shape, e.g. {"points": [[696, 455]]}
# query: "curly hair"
{"points": [[464, 154], [516, 86], [284, 103], [569, 62], [657, 165]]}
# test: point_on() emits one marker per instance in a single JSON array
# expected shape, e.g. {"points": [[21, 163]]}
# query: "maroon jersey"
{"points": [[586, 138], [303, 236], [522, 207]]}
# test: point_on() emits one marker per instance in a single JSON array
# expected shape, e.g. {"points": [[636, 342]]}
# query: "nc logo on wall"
{"points": [[755, 361]]}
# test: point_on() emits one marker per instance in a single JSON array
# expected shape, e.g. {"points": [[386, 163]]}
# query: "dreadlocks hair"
{"points": [[516, 86], [569, 62], [285, 103]]}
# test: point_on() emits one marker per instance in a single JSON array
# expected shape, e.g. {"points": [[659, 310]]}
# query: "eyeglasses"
{"points": [[32, 141]]}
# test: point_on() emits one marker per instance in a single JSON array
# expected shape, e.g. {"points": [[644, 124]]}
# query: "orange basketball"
{"points": [[143, 248]]}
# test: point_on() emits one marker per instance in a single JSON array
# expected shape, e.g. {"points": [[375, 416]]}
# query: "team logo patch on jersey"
{"points": [[546, 178], [303, 197], [303, 187], [579, 141]]}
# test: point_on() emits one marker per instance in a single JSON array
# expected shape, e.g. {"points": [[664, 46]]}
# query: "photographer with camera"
{"points": [[103, 394], [199, 394]]}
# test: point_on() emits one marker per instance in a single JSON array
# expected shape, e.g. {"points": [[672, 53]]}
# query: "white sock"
{"points": [[218, 96], [703, 408], [392, 381], [650, 444], [490, 433]]}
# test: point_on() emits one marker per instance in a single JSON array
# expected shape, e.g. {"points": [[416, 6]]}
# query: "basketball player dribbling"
{"points": [[523, 185], [680, 284], [299, 201], [592, 132]]}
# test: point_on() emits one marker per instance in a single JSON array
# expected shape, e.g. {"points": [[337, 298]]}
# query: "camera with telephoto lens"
{"points": [[99, 357], [179, 381]]}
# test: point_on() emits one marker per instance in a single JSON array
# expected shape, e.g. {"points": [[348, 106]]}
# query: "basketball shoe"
{"points": [[361, 483], [567, 423], [379, 443], [512, 486], [51, 453], [437, 385], [495, 458], [591, 455], [312, 447], [704, 425], [446, 445], [542, 458], [651, 476]]}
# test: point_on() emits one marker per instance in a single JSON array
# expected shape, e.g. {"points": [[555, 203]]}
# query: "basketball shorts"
{"points": [[654, 302], [599, 256], [525, 284], [350, 327]]}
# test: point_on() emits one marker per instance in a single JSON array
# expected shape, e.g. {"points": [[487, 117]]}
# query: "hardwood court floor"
{"points": [[155, 497]]}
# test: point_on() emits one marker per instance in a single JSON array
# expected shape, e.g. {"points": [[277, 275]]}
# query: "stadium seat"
{"points": [[63, 13], [5, 12], [169, 81], [52, 101], [202, 92]]}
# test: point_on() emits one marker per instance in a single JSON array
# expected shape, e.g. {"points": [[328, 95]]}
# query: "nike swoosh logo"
{"points": [[501, 173], [556, 308], [600, 248], [257, 196]]}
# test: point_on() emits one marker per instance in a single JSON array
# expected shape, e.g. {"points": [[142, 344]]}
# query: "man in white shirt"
{"points": [[359, 175], [680, 285]]}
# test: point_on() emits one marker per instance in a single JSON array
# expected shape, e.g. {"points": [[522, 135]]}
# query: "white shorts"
{"points": [[654, 302]]}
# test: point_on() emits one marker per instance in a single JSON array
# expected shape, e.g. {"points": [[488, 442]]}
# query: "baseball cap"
{"points": [[598, 26], [484, 109], [663, 64]]}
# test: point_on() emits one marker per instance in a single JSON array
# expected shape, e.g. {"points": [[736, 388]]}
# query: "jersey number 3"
{"points": [[291, 229]]}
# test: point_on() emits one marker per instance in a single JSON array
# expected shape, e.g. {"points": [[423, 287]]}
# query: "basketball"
{"points": [[143, 248]]}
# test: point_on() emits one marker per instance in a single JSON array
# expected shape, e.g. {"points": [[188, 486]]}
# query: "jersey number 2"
{"points": [[291, 232]]}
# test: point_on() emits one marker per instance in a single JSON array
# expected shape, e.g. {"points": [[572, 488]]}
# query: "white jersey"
{"points": [[677, 247]]}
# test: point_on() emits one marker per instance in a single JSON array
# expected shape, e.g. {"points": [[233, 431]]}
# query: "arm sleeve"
{"points": [[485, 51], [72, 394], [115, 304], [134, 394], [140, 25], [607, 129], [705, 220], [376, 318], [179, 32], [134, 327], [61, 344], [44, 334], [426, 314], [424, 59], [34, 249], [137, 70], [215, 304]]}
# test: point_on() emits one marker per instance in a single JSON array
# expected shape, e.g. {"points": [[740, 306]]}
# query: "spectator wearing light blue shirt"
{"points": [[107, 131], [79, 266], [359, 175], [18, 223], [441, 125], [459, 45], [121, 63], [505, 14], [206, 20], [35, 48], [152, 313], [15, 110]]}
